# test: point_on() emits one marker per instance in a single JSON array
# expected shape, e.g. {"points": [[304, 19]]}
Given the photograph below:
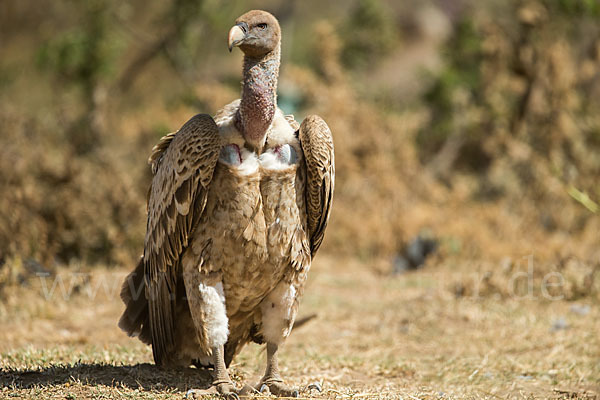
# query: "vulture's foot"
{"points": [[227, 390], [272, 381], [277, 387], [223, 384]]}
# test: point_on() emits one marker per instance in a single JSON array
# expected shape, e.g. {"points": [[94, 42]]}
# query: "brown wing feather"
{"points": [[292, 121], [183, 164], [317, 145]]}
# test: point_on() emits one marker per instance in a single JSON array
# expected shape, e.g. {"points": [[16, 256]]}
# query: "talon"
{"points": [[189, 394], [316, 386], [264, 388], [227, 390]]}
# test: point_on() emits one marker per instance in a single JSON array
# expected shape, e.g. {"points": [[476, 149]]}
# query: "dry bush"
{"points": [[58, 206], [516, 108]]}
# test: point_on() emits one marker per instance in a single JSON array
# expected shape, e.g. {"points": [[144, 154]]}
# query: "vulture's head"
{"points": [[256, 33]]}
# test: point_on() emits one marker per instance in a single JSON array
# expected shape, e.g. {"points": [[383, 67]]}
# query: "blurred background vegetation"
{"points": [[477, 122]]}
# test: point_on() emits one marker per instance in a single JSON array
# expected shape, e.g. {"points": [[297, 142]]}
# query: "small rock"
{"points": [[34, 267], [525, 377], [580, 309], [414, 254], [506, 264], [559, 324]]}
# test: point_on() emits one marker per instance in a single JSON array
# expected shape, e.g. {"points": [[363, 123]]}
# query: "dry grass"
{"points": [[376, 336]]}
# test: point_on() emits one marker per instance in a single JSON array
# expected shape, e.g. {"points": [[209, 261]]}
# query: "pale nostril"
{"points": [[243, 26]]}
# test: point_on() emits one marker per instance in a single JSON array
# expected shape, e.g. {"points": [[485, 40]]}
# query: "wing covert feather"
{"points": [[317, 145], [183, 164]]}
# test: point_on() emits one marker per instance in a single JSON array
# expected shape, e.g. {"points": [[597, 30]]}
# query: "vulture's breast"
{"points": [[263, 195], [254, 213]]}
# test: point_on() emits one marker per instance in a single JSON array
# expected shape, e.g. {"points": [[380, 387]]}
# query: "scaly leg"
{"points": [[222, 381], [272, 378], [278, 311]]}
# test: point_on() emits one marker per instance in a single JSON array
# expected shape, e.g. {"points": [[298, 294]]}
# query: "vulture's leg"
{"points": [[222, 380], [278, 314], [272, 378], [207, 306]]}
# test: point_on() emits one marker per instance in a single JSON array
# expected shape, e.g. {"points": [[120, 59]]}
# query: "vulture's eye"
{"points": [[262, 26]]}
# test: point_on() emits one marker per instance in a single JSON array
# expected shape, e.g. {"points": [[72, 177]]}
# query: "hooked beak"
{"points": [[237, 34]]}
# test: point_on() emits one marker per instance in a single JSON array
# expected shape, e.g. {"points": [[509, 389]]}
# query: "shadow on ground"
{"points": [[140, 376]]}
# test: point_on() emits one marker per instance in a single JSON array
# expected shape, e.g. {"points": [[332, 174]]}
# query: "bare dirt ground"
{"points": [[420, 335]]}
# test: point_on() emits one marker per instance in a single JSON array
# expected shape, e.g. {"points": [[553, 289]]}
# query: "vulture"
{"points": [[237, 209]]}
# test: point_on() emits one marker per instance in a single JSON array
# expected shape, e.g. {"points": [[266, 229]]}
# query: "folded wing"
{"points": [[183, 164], [317, 145]]}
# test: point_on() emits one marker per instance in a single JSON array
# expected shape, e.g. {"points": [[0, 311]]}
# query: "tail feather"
{"points": [[135, 319]]}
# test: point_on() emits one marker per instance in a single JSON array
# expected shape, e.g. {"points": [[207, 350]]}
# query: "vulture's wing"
{"points": [[182, 163], [317, 145]]}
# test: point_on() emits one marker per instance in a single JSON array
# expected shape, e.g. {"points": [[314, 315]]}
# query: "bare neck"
{"points": [[259, 97]]}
